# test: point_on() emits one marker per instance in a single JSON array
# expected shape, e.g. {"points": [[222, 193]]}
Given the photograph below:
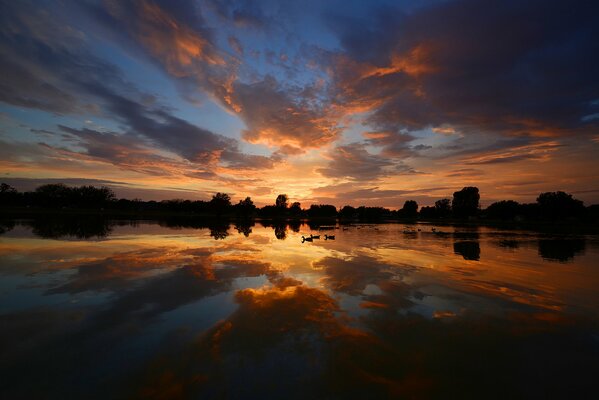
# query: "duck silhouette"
{"points": [[306, 239], [329, 237], [315, 236]]}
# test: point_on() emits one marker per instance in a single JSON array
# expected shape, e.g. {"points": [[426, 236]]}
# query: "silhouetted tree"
{"points": [[90, 196], [530, 211], [53, 195], [9, 196], [443, 208], [177, 205], [428, 212], [322, 210], [269, 211], [220, 203], [593, 213], [410, 209], [347, 212], [504, 209], [555, 205], [373, 213], [295, 210], [245, 207], [465, 202], [281, 201]]}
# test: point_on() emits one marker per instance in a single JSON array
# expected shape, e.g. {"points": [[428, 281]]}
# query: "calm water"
{"points": [[157, 311]]}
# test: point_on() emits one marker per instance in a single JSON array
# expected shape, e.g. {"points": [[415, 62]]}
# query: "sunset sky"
{"points": [[339, 102]]}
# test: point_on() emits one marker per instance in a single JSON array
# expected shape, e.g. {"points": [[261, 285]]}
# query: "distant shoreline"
{"points": [[574, 226]]}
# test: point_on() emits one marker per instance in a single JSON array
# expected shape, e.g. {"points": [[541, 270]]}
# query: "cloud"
{"points": [[356, 195], [63, 77], [394, 144], [241, 14], [235, 45], [192, 271], [354, 162], [466, 172], [353, 275], [540, 151], [502, 68], [284, 116], [44, 63], [273, 116]]}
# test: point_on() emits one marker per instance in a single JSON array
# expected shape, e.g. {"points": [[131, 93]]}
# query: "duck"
{"points": [[315, 236], [306, 239], [329, 237]]}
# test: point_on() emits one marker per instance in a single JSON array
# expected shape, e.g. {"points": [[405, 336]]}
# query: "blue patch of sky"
{"points": [[23, 120], [153, 80]]}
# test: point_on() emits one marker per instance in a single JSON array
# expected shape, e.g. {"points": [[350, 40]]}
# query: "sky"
{"points": [[337, 102]]}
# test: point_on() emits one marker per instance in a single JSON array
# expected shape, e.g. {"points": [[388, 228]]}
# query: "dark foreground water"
{"points": [[144, 310]]}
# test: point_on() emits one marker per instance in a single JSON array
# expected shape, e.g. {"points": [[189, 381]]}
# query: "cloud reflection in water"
{"points": [[155, 312]]}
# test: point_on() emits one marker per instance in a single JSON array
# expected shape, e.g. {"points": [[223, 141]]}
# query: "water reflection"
{"points": [[465, 242], [470, 250], [71, 226], [562, 249], [509, 244], [244, 227], [6, 226], [163, 310], [219, 231]]}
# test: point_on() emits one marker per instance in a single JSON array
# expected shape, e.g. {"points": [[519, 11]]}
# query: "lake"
{"points": [[161, 310]]}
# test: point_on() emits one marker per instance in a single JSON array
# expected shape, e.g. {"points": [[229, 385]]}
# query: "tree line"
{"points": [[465, 204]]}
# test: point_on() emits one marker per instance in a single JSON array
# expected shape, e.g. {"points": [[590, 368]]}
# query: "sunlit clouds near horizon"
{"points": [[339, 102]]}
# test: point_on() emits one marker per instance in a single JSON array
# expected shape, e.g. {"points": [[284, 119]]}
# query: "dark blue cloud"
{"points": [[507, 67]]}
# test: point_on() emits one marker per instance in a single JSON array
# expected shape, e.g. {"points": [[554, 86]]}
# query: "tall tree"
{"points": [[410, 209], [443, 207], [559, 205], [220, 203], [282, 201], [246, 206], [465, 202], [295, 209]]}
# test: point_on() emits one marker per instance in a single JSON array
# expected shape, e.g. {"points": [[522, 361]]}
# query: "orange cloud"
{"points": [[536, 151]]}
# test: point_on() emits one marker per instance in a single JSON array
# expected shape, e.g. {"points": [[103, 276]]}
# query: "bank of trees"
{"points": [[465, 204]]}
